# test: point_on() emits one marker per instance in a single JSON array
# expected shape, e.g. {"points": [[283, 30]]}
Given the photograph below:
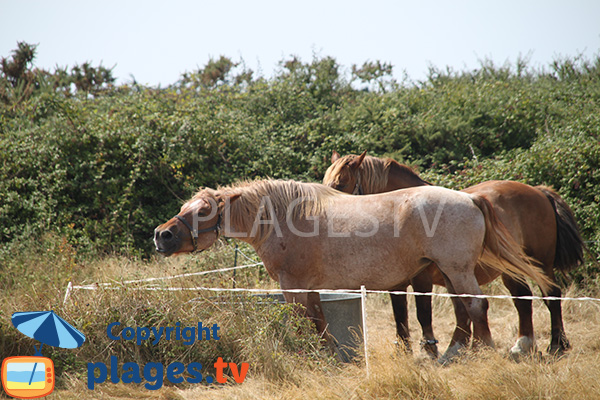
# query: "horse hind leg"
{"points": [[525, 344], [462, 331], [400, 308], [476, 308], [422, 283], [558, 342]]}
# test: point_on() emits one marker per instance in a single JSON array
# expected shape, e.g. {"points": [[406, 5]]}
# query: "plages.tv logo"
{"points": [[29, 377]]}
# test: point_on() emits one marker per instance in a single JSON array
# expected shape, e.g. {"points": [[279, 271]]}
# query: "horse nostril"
{"points": [[166, 235]]}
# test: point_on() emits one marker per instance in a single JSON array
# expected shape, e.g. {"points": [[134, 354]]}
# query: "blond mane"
{"points": [[261, 198], [374, 172]]}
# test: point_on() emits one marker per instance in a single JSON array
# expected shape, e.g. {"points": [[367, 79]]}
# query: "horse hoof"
{"points": [[445, 361], [518, 356], [430, 348], [559, 349], [403, 347], [524, 347], [451, 354]]}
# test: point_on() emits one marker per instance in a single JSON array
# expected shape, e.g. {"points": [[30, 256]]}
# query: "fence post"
{"points": [[68, 292], [235, 263], [363, 295]]}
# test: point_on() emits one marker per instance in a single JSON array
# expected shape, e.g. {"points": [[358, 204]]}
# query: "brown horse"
{"points": [[537, 217], [310, 236]]}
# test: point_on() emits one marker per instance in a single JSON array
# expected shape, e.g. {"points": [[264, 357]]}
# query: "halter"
{"points": [[358, 188], [195, 232]]}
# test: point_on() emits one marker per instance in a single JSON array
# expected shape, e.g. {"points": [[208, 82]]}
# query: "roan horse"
{"points": [[310, 236], [537, 217]]}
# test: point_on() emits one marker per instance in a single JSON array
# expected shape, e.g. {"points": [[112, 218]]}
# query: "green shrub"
{"points": [[103, 170], [568, 161]]}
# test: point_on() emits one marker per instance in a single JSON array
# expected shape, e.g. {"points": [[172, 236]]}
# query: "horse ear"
{"points": [[233, 197], [228, 198], [357, 161], [335, 156]]}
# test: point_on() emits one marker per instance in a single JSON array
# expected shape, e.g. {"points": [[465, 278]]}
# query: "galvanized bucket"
{"points": [[343, 313]]}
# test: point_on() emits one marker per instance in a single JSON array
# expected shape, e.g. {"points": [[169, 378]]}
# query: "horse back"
{"points": [[443, 221], [415, 227]]}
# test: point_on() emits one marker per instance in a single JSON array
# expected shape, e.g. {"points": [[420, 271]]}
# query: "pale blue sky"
{"points": [[156, 41]]}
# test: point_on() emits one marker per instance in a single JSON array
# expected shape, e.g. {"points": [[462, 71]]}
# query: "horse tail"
{"points": [[569, 244], [502, 253]]}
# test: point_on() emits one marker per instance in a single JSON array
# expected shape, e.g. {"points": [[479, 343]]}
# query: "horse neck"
{"points": [[402, 177], [238, 228], [242, 221]]}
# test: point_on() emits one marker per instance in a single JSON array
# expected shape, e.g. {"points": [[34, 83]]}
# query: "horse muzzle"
{"points": [[166, 242]]}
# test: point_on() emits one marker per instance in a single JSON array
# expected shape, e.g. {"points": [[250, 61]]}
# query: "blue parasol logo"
{"points": [[32, 377], [48, 328]]}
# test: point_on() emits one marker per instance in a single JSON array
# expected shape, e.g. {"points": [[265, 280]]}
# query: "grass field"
{"points": [[284, 364], [486, 374]]}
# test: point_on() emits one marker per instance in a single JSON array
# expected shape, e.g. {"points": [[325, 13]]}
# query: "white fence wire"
{"points": [[119, 285], [108, 286]]}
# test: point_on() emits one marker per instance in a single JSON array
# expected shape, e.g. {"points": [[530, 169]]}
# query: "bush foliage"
{"points": [[102, 165]]}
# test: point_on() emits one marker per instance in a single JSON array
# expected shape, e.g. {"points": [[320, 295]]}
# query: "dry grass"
{"points": [[486, 374], [482, 375]]}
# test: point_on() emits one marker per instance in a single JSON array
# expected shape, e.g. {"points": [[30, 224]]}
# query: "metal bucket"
{"points": [[343, 313]]}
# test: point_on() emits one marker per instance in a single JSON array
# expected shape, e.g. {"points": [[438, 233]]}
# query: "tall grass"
{"points": [[286, 357], [275, 337]]}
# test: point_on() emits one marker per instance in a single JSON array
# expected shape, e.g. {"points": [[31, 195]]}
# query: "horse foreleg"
{"points": [[312, 309], [422, 283], [311, 302], [526, 341], [400, 308]]}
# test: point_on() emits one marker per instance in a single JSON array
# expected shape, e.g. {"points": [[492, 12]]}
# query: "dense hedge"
{"points": [[104, 168]]}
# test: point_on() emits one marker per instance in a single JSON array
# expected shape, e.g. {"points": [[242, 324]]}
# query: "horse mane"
{"points": [[269, 199], [374, 171]]}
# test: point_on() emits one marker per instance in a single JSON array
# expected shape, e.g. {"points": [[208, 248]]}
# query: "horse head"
{"points": [[343, 173], [196, 227]]}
